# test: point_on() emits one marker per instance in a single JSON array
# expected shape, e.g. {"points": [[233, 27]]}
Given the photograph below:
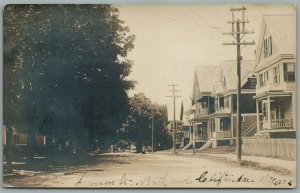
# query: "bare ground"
{"points": [[161, 169]]}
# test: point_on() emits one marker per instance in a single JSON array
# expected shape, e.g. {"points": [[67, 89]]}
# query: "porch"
{"points": [[277, 124], [199, 131], [221, 134], [275, 113], [221, 127]]}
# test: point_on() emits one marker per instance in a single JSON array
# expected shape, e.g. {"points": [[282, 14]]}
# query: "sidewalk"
{"points": [[229, 155], [264, 162]]}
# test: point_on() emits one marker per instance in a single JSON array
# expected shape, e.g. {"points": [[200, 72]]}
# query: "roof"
{"points": [[222, 113], [282, 28], [218, 89], [272, 94], [228, 70], [204, 79]]}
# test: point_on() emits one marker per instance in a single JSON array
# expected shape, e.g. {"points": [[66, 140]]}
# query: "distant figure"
{"points": [[143, 150]]}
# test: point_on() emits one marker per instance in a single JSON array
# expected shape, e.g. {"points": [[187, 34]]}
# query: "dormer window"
{"points": [[268, 46]]}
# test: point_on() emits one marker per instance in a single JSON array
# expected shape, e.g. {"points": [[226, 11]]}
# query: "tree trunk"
{"points": [[30, 145], [8, 150]]}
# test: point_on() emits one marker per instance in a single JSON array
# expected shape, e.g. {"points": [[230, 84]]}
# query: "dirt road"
{"points": [[120, 170]]}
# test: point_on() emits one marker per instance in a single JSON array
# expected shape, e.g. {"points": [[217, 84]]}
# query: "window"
{"points": [[221, 102], [266, 75], [268, 46], [204, 103], [234, 103], [263, 78], [252, 82], [289, 72], [216, 103], [225, 124], [276, 74], [226, 102]]}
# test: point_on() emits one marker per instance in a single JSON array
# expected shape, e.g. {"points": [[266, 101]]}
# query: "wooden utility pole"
{"points": [[237, 35], [174, 118]]}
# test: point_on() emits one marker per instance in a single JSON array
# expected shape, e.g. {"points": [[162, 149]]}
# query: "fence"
{"points": [[270, 147]]}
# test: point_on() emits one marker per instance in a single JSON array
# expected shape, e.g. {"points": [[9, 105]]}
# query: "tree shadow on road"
{"points": [[64, 162]]}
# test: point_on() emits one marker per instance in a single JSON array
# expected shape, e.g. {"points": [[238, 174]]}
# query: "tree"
{"points": [[65, 71], [138, 127], [162, 139]]}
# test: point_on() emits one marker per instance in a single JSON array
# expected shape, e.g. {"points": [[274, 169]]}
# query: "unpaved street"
{"points": [[122, 170]]}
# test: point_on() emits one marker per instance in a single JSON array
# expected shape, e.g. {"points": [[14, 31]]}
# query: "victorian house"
{"points": [[276, 88], [223, 121], [212, 117], [202, 104]]}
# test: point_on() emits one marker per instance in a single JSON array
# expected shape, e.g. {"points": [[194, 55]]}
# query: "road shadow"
{"points": [[65, 162]]}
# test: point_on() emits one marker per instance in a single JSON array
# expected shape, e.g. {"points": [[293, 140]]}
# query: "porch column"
{"points": [[190, 128], [269, 113], [257, 115], [294, 110], [194, 131], [208, 111]]}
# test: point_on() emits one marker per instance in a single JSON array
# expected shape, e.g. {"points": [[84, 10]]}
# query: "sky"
{"points": [[172, 39]]}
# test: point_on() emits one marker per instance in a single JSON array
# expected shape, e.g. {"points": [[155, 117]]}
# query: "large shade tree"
{"points": [[138, 126], [65, 71]]}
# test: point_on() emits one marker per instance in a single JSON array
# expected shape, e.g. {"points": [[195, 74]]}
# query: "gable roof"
{"points": [[228, 70], [282, 28], [218, 89], [204, 79]]}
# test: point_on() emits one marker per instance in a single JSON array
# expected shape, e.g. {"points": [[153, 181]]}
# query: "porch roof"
{"points": [[222, 113], [272, 94], [201, 118]]}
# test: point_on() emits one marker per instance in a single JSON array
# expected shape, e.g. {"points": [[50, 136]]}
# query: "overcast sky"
{"points": [[172, 39]]}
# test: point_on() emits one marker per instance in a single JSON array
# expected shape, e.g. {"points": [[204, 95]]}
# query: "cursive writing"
{"points": [[275, 180], [220, 177]]}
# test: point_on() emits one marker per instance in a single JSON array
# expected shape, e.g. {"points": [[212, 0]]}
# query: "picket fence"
{"points": [[283, 148]]}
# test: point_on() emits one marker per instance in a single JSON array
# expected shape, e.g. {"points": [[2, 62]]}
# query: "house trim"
{"points": [[273, 94], [273, 61]]}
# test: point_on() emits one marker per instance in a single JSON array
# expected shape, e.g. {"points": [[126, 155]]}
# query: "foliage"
{"points": [[123, 144], [65, 71], [138, 127]]}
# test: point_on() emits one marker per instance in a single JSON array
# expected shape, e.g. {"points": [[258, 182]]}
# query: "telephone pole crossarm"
{"points": [[237, 21], [238, 43], [234, 33]]}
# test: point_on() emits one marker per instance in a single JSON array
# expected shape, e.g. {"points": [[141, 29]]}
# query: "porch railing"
{"points": [[201, 112], [223, 134], [281, 123]]}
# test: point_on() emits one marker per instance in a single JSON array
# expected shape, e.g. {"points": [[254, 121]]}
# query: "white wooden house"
{"points": [[276, 89]]}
